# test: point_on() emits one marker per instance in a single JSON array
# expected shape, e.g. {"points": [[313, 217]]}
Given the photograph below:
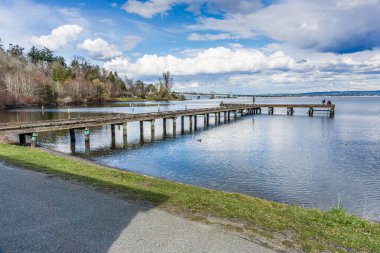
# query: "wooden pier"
{"points": [[224, 111]]}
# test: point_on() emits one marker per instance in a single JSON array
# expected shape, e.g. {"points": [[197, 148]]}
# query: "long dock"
{"points": [[32, 129]]}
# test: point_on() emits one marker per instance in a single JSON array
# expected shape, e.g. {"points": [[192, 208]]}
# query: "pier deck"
{"points": [[33, 128]]}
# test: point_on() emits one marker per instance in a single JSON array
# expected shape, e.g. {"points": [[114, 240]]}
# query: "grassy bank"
{"points": [[292, 226]]}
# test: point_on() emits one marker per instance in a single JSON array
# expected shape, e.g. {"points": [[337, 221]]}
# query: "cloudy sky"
{"points": [[240, 46]]}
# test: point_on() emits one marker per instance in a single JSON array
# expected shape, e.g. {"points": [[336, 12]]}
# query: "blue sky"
{"points": [[241, 46]]}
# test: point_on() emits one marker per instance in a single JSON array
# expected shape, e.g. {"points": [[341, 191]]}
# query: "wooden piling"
{"points": [[164, 126], [204, 121], [190, 123], [34, 140], [125, 134], [182, 124], [72, 135], [270, 110], [174, 126], [152, 129], [290, 111], [112, 130], [195, 122], [87, 134], [141, 130], [311, 111], [22, 139]]}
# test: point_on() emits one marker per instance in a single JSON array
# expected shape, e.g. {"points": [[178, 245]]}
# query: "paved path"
{"points": [[40, 213]]}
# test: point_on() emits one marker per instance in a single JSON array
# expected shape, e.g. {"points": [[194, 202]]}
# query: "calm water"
{"points": [[310, 161]]}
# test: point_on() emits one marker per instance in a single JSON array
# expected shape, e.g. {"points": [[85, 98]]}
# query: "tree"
{"points": [[15, 51], [167, 80]]}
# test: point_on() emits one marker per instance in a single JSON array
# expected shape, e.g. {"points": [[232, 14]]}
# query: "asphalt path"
{"points": [[42, 213]]}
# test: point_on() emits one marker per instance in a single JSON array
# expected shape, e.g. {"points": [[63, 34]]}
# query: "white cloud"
{"points": [[131, 41], [99, 49], [211, 61], [209, 36], [148, 9], [340, 26], [59, 37]]}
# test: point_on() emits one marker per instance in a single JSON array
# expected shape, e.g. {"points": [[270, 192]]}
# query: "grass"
{"points": [[312, 230]]}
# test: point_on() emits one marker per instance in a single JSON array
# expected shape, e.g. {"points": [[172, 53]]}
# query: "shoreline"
{"points": [[286, 225]]}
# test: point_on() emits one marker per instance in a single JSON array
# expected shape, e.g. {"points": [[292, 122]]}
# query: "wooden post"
{"points": [[141, 130], [208, 119], [332, 112], [229, 116], [225, 117], [195, 122], [270, 111], [164, 126], [182, 124], [87, 141], [290, 111], [152, 129], [204, 121], [22, 138], [112, 130], [191, 123], [174, 126], [72, 135], [34, 140], [125, 134], [311, 111], [218, 118], [87, 134], [235, 115]]}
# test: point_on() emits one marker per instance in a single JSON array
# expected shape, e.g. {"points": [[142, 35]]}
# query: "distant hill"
{"points": [[325, 93]]}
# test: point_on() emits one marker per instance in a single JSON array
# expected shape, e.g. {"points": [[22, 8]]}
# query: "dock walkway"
{"points": [[24, 129]]}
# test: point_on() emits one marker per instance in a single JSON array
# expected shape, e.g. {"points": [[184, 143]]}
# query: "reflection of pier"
{"points": [[33, 128]]}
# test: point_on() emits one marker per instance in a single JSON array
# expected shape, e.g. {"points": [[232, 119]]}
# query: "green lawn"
{"points": [[292, 226]]}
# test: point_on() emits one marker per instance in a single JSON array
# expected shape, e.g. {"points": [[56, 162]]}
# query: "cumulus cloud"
{"points": [[148, 9], [131, 41], [59, 37], [340, 26], [209, 36], [99, 49], [211, 61]]}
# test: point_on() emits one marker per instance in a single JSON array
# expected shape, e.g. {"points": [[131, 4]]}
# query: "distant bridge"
{"points": [[211, 94]]}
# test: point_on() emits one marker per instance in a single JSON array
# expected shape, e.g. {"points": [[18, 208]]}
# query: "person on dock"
{"points": [[253, 99], [323, 101]]}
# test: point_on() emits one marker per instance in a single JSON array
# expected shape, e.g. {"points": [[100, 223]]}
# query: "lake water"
{"points": [[310, 161]]}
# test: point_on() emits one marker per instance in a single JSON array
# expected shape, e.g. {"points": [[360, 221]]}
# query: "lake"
{"points": [[310, 161]]}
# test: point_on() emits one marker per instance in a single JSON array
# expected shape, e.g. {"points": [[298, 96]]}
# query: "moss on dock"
{"points": [[312, 230]]}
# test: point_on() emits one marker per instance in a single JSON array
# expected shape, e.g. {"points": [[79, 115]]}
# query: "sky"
{"points": [[240, 46]]}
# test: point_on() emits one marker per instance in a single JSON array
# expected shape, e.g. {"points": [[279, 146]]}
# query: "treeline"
{"points": [[40, 77]]}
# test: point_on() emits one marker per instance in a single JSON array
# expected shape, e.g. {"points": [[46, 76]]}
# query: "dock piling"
{"points": [[191, 123], [152, 129], [174, 126], [164, 126], [141, 130], [22, 139], [34, 140], [182, 124]]}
